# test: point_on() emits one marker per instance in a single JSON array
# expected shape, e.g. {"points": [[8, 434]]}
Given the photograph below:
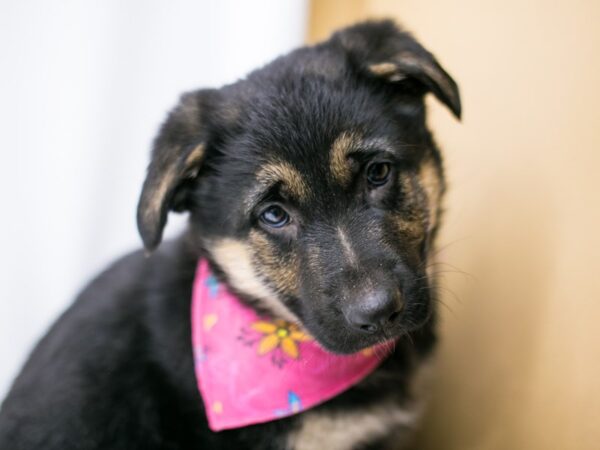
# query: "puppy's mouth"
{"points": [[348, 344], [340, 337]]}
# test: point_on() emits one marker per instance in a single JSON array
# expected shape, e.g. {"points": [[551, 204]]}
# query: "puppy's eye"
{"points": [[378, 173], [275, 216]]}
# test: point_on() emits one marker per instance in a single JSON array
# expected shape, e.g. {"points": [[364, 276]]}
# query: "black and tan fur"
{"points": [[333, 139]]}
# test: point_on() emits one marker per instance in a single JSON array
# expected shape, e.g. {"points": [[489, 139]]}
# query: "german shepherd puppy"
{"points": [[313, 188]]}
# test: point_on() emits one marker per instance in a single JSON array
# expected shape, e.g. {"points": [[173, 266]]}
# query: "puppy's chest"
{"points": [[389, 423], [354, 428]]}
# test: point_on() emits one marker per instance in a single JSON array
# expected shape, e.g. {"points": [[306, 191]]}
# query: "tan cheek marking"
{"points": [[409, 229], [283, 272], [410, 221], [430, 180], [338, 162], [235, 258], [288, 175]]}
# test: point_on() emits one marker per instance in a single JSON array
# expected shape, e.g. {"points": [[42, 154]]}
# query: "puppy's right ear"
{"points": [[177, 155]]}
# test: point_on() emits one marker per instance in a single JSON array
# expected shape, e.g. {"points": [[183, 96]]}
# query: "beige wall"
{"points": [[519, 365]]}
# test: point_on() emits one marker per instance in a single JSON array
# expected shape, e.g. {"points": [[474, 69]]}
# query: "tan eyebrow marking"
{"points": [[432, 184], [278, 172], [347, 143], [288, 175], [338, 162]]}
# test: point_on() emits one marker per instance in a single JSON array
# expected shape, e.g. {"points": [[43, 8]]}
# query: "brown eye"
{"points": [[275, 216], [378, 173]]}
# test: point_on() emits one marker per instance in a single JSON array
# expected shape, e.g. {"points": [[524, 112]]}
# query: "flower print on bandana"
{"points": [[279, 334], [213, 286], [294, 405], [278, 339]]}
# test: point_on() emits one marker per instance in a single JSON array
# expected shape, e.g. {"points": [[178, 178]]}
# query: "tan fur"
{"points": [[338, 156], [387, 70], [351, 142], [169, 178], [410, 222], [289, 176], [392, 72], [383, 69], [346, 429], [236, 258], [429, 70], [430, 180], [283, 272], [157, 199], [343, 431], [195, 157]]}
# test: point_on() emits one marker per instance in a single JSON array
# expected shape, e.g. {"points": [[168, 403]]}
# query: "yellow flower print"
{"points": [[279, 334], [217, 407]]}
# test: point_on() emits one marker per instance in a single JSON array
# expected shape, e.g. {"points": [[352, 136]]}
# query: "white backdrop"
{"points": [[83, 88]]}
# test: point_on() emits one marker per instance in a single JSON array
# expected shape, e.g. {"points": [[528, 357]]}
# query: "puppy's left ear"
{"points": [[381, 50], [177, 156]]}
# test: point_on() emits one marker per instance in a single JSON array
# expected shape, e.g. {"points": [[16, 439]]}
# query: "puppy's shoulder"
{"points": [[93, 373]]}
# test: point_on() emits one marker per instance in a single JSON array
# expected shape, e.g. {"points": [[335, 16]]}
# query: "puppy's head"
{"points": [[314, 184]]}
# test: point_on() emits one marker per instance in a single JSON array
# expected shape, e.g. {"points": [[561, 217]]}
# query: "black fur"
{"points": [[116, 370]]}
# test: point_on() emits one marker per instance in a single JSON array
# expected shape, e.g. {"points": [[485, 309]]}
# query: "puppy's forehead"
{"points": [[300, 132], [303, 179]]}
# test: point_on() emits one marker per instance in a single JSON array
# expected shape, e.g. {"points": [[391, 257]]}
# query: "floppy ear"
{"points": [[381, 50], [177, 155]]}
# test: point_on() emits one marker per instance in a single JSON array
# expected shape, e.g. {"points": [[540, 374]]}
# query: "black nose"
{"points": [[374, 311]]}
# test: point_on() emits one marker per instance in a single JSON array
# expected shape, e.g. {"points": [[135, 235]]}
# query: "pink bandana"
{"points": [[251, 369]]}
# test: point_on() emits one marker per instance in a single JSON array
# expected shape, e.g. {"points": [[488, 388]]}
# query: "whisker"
{"points": [[450, 291], [437, 300], [456, 269]]}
